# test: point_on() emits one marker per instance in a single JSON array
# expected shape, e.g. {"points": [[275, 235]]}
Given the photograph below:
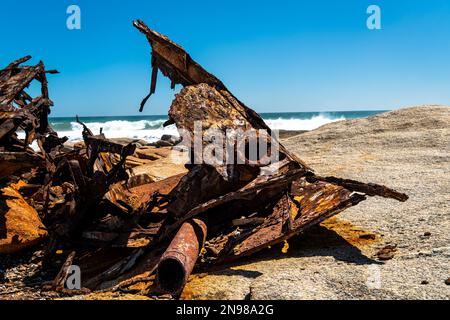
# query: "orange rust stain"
{"points": [[285, 247], [191, 288], [16, 186], [294, 211], [352, 234], [140, 286], [115, 296], [187, 293], [195, 287]]}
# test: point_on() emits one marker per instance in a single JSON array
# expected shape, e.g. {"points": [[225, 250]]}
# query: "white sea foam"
{"points": [[143, 129], [152, 130], [301, 124]]}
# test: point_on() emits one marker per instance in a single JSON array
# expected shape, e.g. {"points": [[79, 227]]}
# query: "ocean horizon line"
{"points": [[261, 113]]}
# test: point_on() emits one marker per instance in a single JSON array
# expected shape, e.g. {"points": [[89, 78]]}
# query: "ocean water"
{"points": [[150, 128]]}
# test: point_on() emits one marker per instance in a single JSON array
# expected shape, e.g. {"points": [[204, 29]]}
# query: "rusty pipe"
{"points": [[178, 261]]}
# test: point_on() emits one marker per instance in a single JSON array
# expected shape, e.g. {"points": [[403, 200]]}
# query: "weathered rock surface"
{"points": [[170, 163], [147, 155], [152, 153], [408, 150], [124, 141], [166, 140], [20, 226]]}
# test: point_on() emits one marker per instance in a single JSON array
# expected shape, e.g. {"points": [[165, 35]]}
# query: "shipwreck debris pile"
{"points": [[120, 230]]}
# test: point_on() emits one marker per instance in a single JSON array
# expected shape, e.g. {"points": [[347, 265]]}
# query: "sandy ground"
{"points": [[407, 149]]}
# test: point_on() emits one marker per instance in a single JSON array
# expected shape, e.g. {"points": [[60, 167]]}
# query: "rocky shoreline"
{"points": [[343, 258]]}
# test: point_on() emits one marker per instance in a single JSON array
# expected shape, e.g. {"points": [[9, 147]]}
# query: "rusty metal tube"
{"points": [[178, 261]]}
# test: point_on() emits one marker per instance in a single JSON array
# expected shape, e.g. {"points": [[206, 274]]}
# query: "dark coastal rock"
{"points": [[125, 141], [166, 140], [386, 253]]}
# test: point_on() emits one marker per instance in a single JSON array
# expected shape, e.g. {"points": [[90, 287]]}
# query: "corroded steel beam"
{"points": [[178, 260]]}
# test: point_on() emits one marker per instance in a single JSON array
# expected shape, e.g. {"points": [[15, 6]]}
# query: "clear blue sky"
{"points": [[273, 55]]}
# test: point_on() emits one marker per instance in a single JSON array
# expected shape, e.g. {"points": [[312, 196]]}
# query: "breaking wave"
{"points": [[293, 124], [142, 129], [151, 130]]}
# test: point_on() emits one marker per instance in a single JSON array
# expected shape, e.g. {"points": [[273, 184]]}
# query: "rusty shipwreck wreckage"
{"points": [[210, 215]]}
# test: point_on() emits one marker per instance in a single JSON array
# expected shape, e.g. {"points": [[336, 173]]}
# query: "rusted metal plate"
{"points": [[294, 214], [18, 162], [144, 192]]}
